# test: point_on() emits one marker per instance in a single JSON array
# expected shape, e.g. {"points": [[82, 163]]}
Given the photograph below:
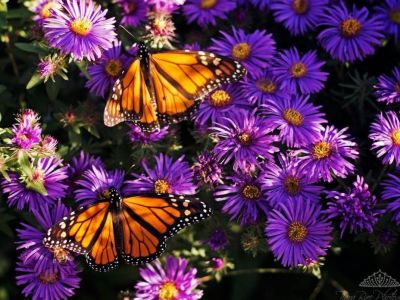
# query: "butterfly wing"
{"points": [[147, 221], [88, 231], [180, 78], [130, 100]]}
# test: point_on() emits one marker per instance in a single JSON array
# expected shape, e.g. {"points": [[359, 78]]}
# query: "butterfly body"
{"points": [[167, 87], [134, 229]]}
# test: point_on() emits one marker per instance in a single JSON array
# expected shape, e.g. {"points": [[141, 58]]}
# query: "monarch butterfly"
{"points": [[134, 228], [167, 86]]}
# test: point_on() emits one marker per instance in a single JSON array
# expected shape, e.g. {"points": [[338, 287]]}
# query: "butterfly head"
{"points": [[112, 195], [143, 51]]}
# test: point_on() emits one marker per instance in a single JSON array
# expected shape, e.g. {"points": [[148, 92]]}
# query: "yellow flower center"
{"points": [[162, 186], [293, 117], [60, 254], [46, 13], [250, 191], [220, 98], [396, 136], [266, 86], [350, 27], [207, 4], [244, 139], [395, 15], [292, 185], [48, 277], [113, 67], [131, 7], [81, 27], [168, 291], [300, 6], [37, 176], [241, 51], [298, 70], [321, 150], [297, 232]]}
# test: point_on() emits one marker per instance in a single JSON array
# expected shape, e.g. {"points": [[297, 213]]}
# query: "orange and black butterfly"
{"points": [[134, 229], [167, 86]]}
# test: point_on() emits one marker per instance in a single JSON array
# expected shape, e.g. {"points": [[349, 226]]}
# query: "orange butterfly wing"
{"points": [[177, 81], [88, 231], [131, 100], [180, 78], [147, 221]]}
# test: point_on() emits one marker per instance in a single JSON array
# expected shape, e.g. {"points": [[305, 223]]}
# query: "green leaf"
{"points": [[24, 163], [34, 81], [3, 88], [52, 89], [3, 5], [83, 68], [37, 186], [28, 47], [18, 13], [93, 131]]}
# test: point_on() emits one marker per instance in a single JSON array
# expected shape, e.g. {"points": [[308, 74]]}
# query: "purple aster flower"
{"points": [[299, 74], [193, 46], [53, 283], [298, 16], [43, 9], [166, 177], [163, 6], [329, 155], [217, 240], [175, 281], [262, 88], [207, 169], [245, 198], [297, 232], [389, 13], [106, 71], [52, 65], [80, 163], [388, 88], [95, 181], [287, 181], [28, 118], [391, 192], [219, 104], [206, 12], [31, 240], [385, 136], [48, 145], [81, 29], [355, 208], [254, 50], [25, 136], [145, 138], [133, 12], [243, 138], [45, 172], [297, 120], [349, 36], [262, 4]]}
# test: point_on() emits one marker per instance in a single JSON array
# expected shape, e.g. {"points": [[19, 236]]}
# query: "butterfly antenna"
{"points": [[130, 34]]}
